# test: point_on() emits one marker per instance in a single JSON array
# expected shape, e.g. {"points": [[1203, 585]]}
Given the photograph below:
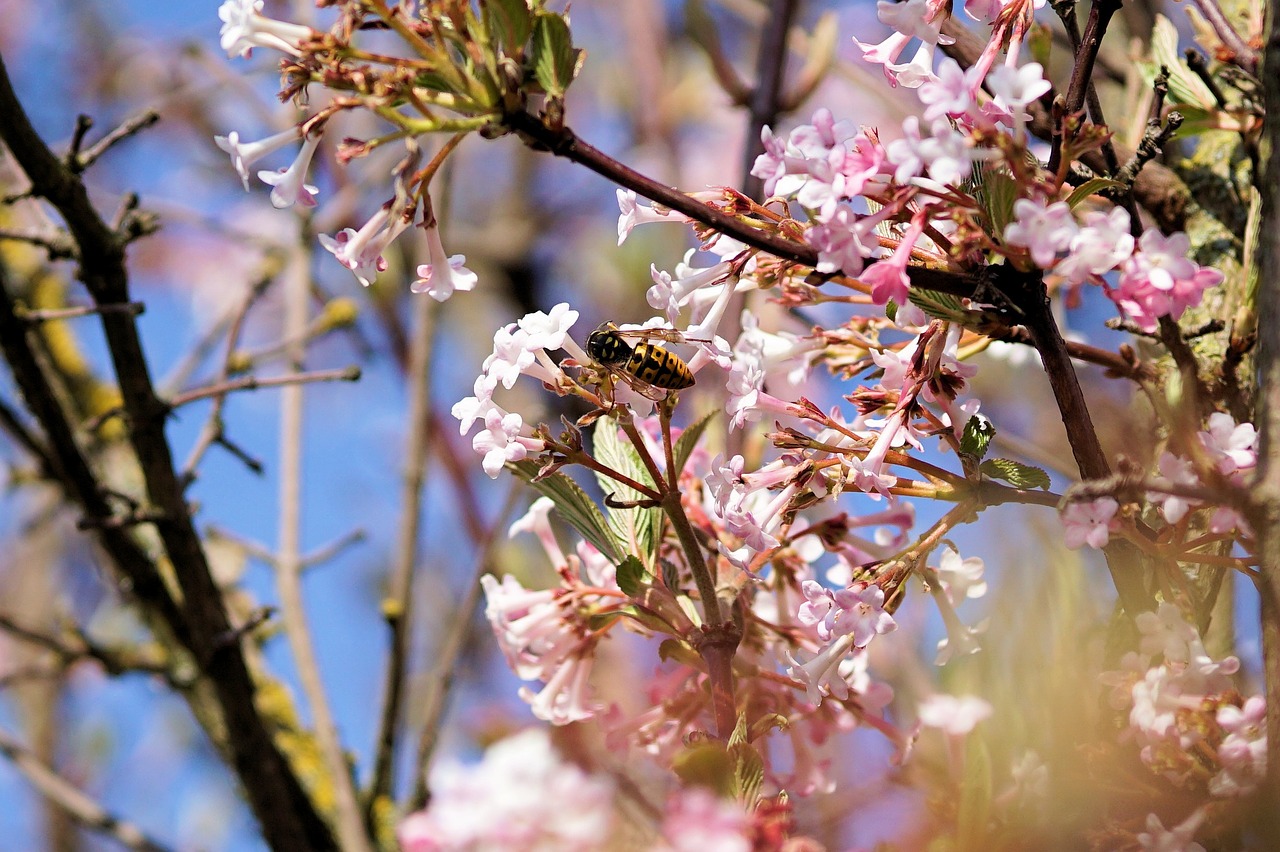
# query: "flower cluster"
{"points": [[1190, 724]]}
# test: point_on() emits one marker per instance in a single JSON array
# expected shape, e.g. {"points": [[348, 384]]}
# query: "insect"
{"points": [[646, 366]]}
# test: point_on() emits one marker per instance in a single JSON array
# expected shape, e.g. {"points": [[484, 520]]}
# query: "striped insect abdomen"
{"points": [[658, 367]]}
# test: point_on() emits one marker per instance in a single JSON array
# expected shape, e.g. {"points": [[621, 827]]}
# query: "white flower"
{"points": [[445, 273]]}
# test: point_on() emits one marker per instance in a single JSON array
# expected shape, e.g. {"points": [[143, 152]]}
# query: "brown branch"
{"points": [[287, 815], [1027, 291], [565, 143], [766, 96], [1242, 55], [52, 314]]}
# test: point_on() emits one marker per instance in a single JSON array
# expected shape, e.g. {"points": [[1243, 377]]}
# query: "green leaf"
{"points": [[1185, 86], [995, 191], [510, 22], [554, 57], [943, 306], [1092, 186], [675, 649], [573, 504], [689, 439], [748, 772], [630, 575], [636, 530], [707, 764], [978, 432], [1015, 473]]}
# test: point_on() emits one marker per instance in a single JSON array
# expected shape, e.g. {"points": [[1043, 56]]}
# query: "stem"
{"points": [[399, 598], [1122, 558], [765, 97], [350, 826], [440, 682]]}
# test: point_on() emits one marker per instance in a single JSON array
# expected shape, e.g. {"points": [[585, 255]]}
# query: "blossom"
{"points": [[516, 797], [1243, 752], [1101, 244], [500, 442], [1042, 230], [856, 611], [472, 408], [843, 241], [697, 820], [245, 154], [1015, 87], [1160, 280], [1232, 446], [361, 251], [637, 214], [961, 577], [445, 273], [949, 93], [1089, 523], [955, 716], [244, 29], [288, 185], [1157, 838]]}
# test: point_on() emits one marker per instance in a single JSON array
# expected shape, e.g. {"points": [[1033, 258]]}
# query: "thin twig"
{"points": [[398, 606], [79, 806], [58, 247], [771, 63], [127, 128], [51, 314], [1242, 55], [345, 374], [440, 682], [348, 823]]}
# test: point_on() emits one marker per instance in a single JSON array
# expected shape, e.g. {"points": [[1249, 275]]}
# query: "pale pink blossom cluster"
{"points": [[360, 250], [521, 795], [1183, 705], [1226, 451]]}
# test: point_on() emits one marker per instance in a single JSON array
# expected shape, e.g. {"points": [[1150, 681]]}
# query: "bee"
{"points": [[645, 366]]}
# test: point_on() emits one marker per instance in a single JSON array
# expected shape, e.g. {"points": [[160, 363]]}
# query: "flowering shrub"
{"points": [[768, 577], [763, 489]]}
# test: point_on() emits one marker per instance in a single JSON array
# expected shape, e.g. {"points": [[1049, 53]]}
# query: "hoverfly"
{"points": [[646, 366]]}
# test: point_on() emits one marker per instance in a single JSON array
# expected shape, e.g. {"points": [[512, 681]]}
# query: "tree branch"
{"points": [[287, 815]]}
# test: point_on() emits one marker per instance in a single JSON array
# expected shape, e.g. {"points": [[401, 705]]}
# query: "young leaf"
{"points": [[978, 432], [1015, 473], [573, 504], [511, 23], [630, 575], [1092, 186], [635, 529], [689, 439], [554, 58]]}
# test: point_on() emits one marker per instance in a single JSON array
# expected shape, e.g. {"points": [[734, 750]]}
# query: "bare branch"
{"points": [[77, 805]]}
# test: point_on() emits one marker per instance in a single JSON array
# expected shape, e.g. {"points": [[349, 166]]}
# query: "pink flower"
{"points": [[857, 611], [288, 185], [245, 154], [244, 29], [634, 214], [955, 716], [1042, 230], [444, 274], [1099, 247], [361, 251], [697, 820], [521, 795], [1089, 523]]}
